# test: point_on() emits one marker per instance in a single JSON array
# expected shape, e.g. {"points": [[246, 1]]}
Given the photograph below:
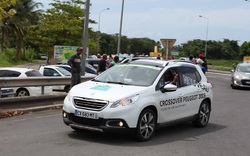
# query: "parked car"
{"points": [[241, 76], [7, 92], [135, 97], [25, 73], [43, 56], [93, 62], [54, 70], [58, 70], [88, 68]]}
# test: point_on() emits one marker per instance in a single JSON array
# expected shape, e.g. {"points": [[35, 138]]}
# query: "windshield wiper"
{"points": [[97, 80], [121, 83]]}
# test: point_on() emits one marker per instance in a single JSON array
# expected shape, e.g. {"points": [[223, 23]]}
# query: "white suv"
{"points": [[134, 96]]}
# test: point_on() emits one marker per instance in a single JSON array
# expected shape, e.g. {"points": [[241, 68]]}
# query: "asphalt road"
{"points": [[43, 133]]}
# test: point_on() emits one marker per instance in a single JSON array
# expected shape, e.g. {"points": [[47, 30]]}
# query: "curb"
{"points": [[21, 105]]}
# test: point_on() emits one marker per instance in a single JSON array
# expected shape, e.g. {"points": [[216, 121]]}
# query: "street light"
{"points": [[206, 34], [120, 32], [99, 24]]}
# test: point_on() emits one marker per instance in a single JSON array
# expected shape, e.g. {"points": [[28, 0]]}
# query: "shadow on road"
{"points": [[184, 132]]}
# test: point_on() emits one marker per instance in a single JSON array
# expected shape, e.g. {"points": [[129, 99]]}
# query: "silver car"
{"points": [[241, 76]]}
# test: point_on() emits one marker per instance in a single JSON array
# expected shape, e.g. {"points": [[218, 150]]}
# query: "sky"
{"points": [[172, 19]]}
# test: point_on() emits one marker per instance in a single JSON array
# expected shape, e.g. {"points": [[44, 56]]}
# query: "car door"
{"points": [[190, 90], [170, 103]]}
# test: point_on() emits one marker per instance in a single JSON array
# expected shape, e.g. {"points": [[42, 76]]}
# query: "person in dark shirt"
{"points": [[102, 65], [75, 63]]}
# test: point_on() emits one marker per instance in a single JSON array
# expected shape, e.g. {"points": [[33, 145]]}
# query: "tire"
{"points": [[22, 92], [203, 115], [146, 125], [232, 84], [67, 88]]}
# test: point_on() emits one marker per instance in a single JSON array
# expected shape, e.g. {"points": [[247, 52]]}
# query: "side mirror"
{"points": [[169, 88]]}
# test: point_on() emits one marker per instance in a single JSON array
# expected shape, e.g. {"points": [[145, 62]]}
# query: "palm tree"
{"points": [[13, 29]]}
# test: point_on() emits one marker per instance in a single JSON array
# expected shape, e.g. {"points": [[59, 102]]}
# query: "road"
{"points": [[43, 133]]}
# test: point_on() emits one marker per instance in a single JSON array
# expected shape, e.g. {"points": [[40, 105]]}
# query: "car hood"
{"points": [[105, 91], [243, 74]]}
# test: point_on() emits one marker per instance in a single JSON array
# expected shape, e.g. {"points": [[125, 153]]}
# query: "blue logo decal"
{"points": [[101, 87]]}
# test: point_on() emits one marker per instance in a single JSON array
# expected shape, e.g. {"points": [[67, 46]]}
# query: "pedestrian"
{"points": [[102, 65], [114, 62], [159, 57], [75, 63], [191, 57]]}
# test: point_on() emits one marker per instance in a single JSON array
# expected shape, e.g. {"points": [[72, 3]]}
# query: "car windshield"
{"points": [[130, 74], [64, 71], [243, 67]]}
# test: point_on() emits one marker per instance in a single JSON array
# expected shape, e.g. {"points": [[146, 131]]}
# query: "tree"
{"points": [[5, 10], [5, 13], [61, 25], [244, 50], [25, 15]]}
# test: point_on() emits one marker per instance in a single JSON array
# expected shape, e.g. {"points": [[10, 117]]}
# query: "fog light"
{"points": [[64, 115], [120, 124]]}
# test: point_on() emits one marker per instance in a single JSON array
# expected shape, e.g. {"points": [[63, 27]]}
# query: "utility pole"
{"points": [[85, 37]]}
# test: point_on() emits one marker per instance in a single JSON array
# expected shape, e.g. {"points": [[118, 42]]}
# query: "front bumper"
{"points": [[100, 125], [244, 83]]}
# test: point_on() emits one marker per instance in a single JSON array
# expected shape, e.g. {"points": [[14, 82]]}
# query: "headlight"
{"points": [[125, 101], [237, 76]]}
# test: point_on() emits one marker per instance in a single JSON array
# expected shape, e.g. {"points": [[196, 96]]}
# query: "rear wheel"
{"points": [[146, 125], [22, 92], [203, 115]]}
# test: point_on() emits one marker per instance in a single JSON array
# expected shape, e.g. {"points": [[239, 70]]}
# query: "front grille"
{"points": [[85, 121], [245, 82], [90, 104]]}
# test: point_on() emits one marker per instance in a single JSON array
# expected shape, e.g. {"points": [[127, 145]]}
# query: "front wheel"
{"points": [[146, 125], [203, 115]]}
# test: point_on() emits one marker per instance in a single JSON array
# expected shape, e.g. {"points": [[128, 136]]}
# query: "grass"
{"points": [[224, 65]]}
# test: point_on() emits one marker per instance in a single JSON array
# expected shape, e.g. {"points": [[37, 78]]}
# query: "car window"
{"points": [[130, 74], [9, 73], [188, 76], [66, 68], [33, 73], [243, 68], [63, 71], [162, 81], [50, 72]]}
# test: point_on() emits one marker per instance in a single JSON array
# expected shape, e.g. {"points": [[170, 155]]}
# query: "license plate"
{"points": [[84, 114]]}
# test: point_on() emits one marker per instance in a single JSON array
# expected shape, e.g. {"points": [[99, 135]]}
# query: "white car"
{"points": [[134, 96], [24, 73], [58, 70]]}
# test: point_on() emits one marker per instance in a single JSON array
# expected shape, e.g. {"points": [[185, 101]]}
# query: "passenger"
{"points": [[170, 78]]}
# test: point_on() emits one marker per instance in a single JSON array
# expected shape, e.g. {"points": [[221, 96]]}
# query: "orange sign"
{"points": [[246, 59]]}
